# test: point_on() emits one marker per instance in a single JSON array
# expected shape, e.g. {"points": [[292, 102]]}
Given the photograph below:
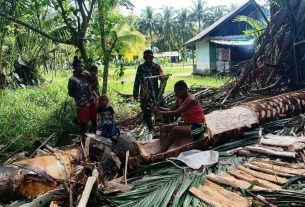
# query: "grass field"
{"points": [[36, 112]]}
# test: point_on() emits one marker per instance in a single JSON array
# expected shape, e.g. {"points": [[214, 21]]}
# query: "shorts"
{"points": [[87, 113], [197, 130]]}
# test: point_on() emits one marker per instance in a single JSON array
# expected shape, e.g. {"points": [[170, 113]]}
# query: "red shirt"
{"points": [[194, 114]]}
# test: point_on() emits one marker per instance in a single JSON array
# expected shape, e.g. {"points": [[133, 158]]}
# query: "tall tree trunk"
{"points": [[199, 25], [83, 52], [105, 77], [103, 43], [151, 42]]}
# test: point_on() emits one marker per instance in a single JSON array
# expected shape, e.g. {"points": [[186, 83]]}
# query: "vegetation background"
{"points": [[39, 38]]}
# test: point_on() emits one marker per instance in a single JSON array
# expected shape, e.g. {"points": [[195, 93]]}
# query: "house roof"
{"points": [[218, 23]]}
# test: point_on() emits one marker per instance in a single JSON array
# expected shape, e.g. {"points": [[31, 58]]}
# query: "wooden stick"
{"points": [[87, 148], [42, 144], [70, 196], [126, 165], [88, 188]]}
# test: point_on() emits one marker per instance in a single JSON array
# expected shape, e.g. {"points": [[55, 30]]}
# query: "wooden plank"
{"points": [[225, 179], [207, 199], [285, 164], [234, 198], [268, 151], [264, 176], [88, 189], [279, 168], [266, 170], [249, 178]]}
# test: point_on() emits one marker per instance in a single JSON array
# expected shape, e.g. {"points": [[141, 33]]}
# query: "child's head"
{"points": [[104, 100], [180, 89], [94, 69]]}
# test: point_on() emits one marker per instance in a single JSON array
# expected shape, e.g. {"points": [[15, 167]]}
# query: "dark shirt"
{"points": [[79, 89], [105, 115], [146, 70]]}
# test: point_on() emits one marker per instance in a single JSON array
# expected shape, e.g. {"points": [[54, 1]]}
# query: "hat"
{"points": [[148, 53]]}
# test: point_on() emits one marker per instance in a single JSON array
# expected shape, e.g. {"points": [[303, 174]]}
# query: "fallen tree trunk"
{"points": [[231, 123], [29, 178]]}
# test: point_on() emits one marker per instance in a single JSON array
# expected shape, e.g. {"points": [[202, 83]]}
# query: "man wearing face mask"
{"points": [[147, 69]]}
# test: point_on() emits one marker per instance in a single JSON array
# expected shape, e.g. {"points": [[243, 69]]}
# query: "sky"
{"points": [[177, 4]]}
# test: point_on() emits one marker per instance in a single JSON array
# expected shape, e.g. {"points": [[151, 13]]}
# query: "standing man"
{"points": [[148, 68]]}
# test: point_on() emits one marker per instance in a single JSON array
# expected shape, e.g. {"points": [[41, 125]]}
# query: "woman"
{"points": [[193, 125], [79, 89]]}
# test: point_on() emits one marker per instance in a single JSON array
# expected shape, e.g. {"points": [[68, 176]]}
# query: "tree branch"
{"points": [[88, 17], [81, 8], [64, 16], [17, 21]]}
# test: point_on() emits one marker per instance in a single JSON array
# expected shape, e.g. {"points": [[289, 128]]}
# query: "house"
{"points": [[223, 44], [173, 56]]}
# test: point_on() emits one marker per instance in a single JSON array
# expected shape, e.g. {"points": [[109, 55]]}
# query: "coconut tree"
{"points": [[185, 28], [198, 12], [168, 28], [115, 35], [149, 23]]}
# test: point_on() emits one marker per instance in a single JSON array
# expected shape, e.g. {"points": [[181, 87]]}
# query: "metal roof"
{"points": [[234, 42], [218, 23]]}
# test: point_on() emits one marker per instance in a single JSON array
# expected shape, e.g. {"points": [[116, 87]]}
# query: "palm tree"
{"points": [[168, 28], [186, 28], [198, 12], [148, 23]]}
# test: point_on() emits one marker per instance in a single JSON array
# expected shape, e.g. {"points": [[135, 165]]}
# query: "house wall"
{"points": [[202, 57]]}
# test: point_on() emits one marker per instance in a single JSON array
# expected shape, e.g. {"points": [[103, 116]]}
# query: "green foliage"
{"points": [[257, 26], [162, 183], [36, 112]]}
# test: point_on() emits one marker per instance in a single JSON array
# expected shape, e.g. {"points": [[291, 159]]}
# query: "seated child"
{"points": [[105, 115]]}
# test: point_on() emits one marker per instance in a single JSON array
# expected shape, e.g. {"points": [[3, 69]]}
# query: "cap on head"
{"points": [[148, 53]]}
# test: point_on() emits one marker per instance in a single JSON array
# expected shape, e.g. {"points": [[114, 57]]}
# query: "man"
{"points": [[193, 126], [148, 68]]}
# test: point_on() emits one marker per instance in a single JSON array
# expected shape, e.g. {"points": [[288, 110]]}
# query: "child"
{"points": [[92, 79], [105, 115]]}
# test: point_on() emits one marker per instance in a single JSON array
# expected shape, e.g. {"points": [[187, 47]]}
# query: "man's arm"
{"points": [[172, 108], [187, 104], [137, 83]]}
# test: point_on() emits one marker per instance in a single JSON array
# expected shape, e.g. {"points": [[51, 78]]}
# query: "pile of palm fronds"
{"points": [[167, 185], [279, 60]]}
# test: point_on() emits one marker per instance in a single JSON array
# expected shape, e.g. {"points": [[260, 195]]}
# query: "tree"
{"points": [[185, 28], [198, 12], [71, 23], [149, 23], [167, 28], [116, 35]]}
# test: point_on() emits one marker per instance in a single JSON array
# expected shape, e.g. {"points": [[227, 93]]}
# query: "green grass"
{"points": [[37, 112]]}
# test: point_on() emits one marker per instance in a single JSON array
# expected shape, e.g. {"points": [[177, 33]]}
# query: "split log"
{"points": [[88, 189], [215, 195], [266, 170], [285, 164], [227, 180], [249, 178], [268, 151], [269, 177], [279, 168]]}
